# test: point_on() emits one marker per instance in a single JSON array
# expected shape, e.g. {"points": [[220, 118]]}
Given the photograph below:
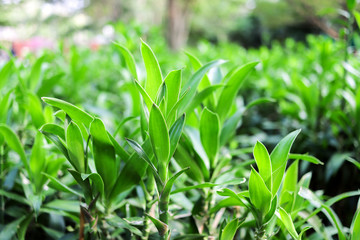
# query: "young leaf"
{"points": [[279, 157], [147, 99], [35, 110], [193, 83], [232, 87], [37, 161], [305, 157], [56, 184], [165, 194], [56, 134], [14, 143], [153, 72], [139, 151], [172, 81], [129, 59], [355, 225], [210, 135], [104, 154], [260, 195], [184, 159], [75, 147], [10, 229], [97, 182], [263, 162], [175, 134], [287, 196], [160, 226], [132, 172], [287, 221], [74, 112], [230, 230], [4, 105], [5, 73], [159, 135]]}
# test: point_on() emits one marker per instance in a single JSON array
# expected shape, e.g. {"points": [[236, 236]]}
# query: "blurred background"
{"points": [[250, 23]]}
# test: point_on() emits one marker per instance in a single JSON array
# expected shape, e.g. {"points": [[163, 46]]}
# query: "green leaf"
{"points": [[97, 181], [75, 147], [129, 59], [241, 201], [193, 83], [153, 72], [56, 184], [229, 127], [23, 226], [132, 172], [53, 129], [198, 186], [159, 136], [259, 101], [287, 221], [5, 73], [4, 105], [165, 194], [65, 205], [260, 195], [53, 134], [14, 196], [160, 226], [279, 157], [230, 230], [356, 15], [35, 110], [74, 112], [172, 81], [14, 143], [263, 163], [305, 157], [175, 134], [104, 154], [201, 96], [175, 109], [138, 149], [147, 99], [124, 155], [233, 85], [184, 159], [35, 73], [351, 4], [8, 232], [84, 184], [37, 161], [210, 135], [303, 231], [288, 191], [227, 202], [355, 225], [196, 64], [273, 207]]}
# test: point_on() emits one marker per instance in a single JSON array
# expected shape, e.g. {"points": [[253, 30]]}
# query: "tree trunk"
{"points": [[177, 23]]}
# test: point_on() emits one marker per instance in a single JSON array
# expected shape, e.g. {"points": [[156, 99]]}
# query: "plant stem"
{"points": [[163, 214], [149, 192]]}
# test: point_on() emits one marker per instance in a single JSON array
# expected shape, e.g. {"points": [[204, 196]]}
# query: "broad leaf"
{"points": [[210, 135], [260, 195], [153, 72], [104, 154]]}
